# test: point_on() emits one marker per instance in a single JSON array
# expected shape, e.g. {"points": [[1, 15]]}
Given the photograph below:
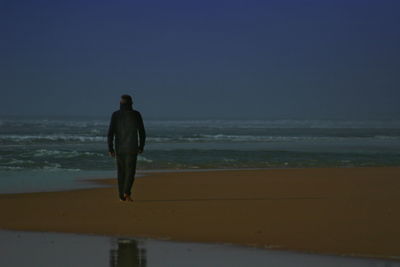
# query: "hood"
{"points": [[126, 106]]}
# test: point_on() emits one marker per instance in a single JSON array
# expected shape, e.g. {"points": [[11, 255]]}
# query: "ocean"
{"points": [[65, 147]]}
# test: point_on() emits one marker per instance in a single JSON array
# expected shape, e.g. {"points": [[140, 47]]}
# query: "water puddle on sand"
{"points": [[57, 249]]}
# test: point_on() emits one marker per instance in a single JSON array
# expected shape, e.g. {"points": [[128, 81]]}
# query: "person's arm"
{"points": [[142, 133], [110, 136]]}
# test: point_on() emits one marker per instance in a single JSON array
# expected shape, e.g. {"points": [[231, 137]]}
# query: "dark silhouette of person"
{"points": [[128, 254], [127, 128]]}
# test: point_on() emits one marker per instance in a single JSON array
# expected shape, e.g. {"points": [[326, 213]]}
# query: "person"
{"points": [[127, 128]]}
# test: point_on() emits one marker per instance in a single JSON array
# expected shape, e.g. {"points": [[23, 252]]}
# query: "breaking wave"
{"points": [[64, 154], [195, 138], [49, 138]]}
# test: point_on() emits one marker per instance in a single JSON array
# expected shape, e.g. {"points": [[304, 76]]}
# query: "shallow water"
{"points": [[56, 249], [43, 181]]}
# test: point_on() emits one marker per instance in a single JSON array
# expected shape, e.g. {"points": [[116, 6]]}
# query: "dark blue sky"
{"points": [[202, 59]]}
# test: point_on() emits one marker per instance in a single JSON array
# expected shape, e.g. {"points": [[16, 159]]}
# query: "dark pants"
{"points": [[126, 164]]}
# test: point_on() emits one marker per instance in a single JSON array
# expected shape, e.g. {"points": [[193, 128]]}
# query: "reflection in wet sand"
{"points": [[66, 250], [127, 254]]}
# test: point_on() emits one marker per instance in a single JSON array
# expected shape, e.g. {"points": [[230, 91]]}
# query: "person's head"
{"points": [[126, 99]]}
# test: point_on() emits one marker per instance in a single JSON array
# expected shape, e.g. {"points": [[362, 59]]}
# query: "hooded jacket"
{"points": [[127, 127]]}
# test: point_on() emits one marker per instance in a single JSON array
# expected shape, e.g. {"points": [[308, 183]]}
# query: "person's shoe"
{"points": [[128, 198], [122, 199]]}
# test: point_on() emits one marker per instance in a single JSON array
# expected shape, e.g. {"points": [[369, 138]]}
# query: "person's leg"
{"points": [[130, 173], [121, 159]]}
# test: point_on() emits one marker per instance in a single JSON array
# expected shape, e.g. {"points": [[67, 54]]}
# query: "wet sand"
{"points": [[22, 249], [346, 211]]}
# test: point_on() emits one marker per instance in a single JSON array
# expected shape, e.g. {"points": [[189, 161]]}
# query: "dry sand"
{"points": [[352, 211]]}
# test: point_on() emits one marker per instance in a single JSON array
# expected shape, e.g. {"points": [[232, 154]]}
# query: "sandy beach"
{"points": [[350, 211]]}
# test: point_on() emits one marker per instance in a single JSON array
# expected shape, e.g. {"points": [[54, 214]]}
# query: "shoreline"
{"points": [[141, 173], [324, 210]]}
